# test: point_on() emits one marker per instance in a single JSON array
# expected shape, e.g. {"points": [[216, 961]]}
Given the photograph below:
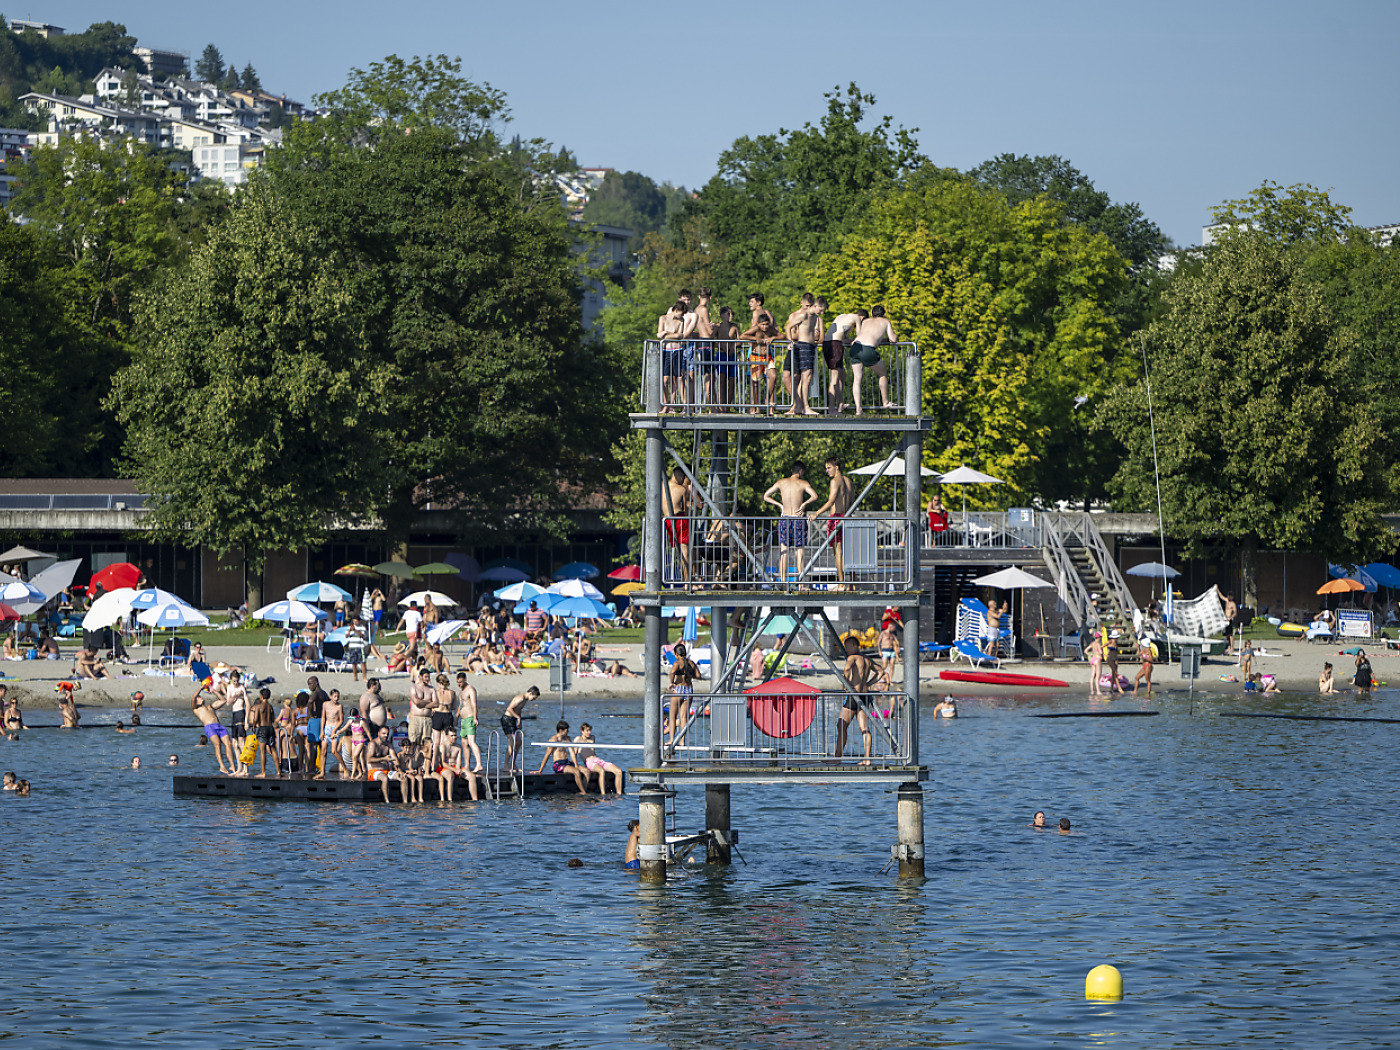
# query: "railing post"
{"points": [[911, 684]]}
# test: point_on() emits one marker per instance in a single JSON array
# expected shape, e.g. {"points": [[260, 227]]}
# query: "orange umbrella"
{"points": [[1341, 586]]}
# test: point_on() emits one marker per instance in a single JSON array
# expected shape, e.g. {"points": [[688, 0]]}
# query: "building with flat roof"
{"points": [[162, 62], [44, 29]]}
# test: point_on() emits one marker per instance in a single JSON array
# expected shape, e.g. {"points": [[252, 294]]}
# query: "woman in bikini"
{"points": [[1095, 655], [683, 675], [476, 661], [444, 719]]}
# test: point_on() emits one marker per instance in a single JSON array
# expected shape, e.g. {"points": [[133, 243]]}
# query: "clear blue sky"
{"points": [[1174, 105]]}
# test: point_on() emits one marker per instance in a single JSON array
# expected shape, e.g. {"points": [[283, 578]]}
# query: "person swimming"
{"points": [[1038, 821], [1064, 825], [947, 707], [634, 838]]}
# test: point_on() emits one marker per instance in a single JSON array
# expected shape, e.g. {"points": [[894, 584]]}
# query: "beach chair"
{"points": [[177, 653], [1319, 629], [932, 650], [970, 652], [305, 656], [334, 658]]}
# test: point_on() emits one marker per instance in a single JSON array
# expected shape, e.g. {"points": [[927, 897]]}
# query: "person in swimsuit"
{"points": [[720, 385], [379, 760], [1038, 821], [563, 759], [682, 688], [412, 764], [123, 729], [510, 725], [669, 327], [677, 510], [67, 706], [857, 674], [889, 654], [946, 708], [466, 721], [444, 719], [803, 329], [1145, 671], [795, 494], [207, 713], [332, 729], [593, 764], [834, 353], [1325, 684], [838, 503], [260, 723], [301, 727], [634, 839], [874, 332], [1095, 655], [762, 331]]}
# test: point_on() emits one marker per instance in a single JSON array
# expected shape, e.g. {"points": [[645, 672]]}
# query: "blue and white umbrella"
{"points": [[521, 591], [289, 611], [153, 597], [172, 614], [1361, 576], [577, 570], [21, 591], [574, 607], [318, 591], [576, 589]]}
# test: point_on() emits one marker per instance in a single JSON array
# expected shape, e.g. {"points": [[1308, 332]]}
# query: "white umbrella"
{"points": [[519, 591], [1011, 580], [896, 469], [965, 476], [20, 591], [174, 614], [441, 632], [154, 598], [576, 589], [109, 608], [420, 596], [289, 611], [18, 555]]}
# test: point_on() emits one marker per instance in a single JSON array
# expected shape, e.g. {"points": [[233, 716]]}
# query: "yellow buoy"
{"points": [[1103, 982]]}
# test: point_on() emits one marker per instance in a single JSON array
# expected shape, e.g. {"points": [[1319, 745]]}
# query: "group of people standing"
{"points": [[703, 357]]}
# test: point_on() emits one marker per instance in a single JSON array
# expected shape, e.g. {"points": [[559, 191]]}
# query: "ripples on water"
{"points": [[1240, 872]]}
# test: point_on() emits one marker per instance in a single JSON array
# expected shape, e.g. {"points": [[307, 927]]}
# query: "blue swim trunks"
{"points": [[792, 532], [313, 729], [633, 864]]}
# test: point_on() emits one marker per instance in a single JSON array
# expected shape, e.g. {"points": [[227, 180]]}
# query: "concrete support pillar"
{"points": [[651, 851], [910, 851], [717, 819]]}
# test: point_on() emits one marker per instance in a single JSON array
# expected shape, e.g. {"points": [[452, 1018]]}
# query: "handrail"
{"points": [[1067, 582], [1108, 567]]}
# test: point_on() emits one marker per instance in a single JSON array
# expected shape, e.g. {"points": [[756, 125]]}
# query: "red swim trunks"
{"points": [[833, 528], [678, 531]]}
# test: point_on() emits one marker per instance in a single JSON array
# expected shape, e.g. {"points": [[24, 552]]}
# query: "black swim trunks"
{"points": [[266, 735], [851, 703], [510, 725], [442, 722], [802, 357]]}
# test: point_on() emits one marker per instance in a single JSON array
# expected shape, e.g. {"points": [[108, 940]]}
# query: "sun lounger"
{"points": [[969, 651]]}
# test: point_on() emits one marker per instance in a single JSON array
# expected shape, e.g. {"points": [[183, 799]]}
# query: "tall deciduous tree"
{"points": [[1262, 436]]}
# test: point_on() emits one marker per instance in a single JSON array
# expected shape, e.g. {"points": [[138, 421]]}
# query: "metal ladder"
{"points": [[492, 762]]}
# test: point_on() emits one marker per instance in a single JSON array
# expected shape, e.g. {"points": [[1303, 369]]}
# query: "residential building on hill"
{"points": [[44, 29], [164, 63]]}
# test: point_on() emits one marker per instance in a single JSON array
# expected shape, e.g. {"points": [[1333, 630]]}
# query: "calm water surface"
{"points": [[1240, 872]]}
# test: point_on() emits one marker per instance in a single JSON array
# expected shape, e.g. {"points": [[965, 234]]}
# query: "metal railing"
{"points": [[1068, 584], [785, 730], [731, 375], [71, 501], [1006, 529], [1079, 530], [784, 553]]}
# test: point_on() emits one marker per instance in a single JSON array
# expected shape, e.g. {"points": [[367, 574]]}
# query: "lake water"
{"points": [[1240, 872]]}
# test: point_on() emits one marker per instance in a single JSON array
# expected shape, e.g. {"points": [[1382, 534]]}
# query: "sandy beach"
{"points": [[1296, 665]]}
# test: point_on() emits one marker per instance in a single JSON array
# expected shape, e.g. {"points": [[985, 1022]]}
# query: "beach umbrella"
{"points": [[1011, 580], [895, 469], [781, 625], [964, 476], [1383, 574], [517, 591], [626, 572], [107, 610], [421, 598], [151, 597], [576, 589], [1361, 576], [355, 568], [396, 569], [435, 568], [628, 588], [576, 570], [690, 626], [1153, 569], [318, 591], [510, 563], [172, 614], [1342, 586], [53, 581], [19, 591], [441, 632], [7, 613], [117, 575], [566, 606], [19, 555], [783, 707], [504, 574], [467, 567], [289, 610]]}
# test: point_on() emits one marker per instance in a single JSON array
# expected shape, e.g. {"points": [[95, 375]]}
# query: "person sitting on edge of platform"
{"points": [[449, 764], [1038, 821], [411, 761], [634, 838], [1325, 684], [857, 674], [89, 666], [1064, 826], [593, 764], [379, 760], [207, 713], [122, 728], [510, 725], [564, 759]]}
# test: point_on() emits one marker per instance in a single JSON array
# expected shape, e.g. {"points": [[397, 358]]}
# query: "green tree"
{"points": [[250, 403], [249, 81], [1261, 436], [210, 65], [634, 202], [131, 89], [1284, 215], [230, 80]]}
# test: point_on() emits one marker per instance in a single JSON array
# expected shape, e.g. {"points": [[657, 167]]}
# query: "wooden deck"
{"points": [[295, 789]]}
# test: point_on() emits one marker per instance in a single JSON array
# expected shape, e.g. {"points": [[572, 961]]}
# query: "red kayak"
{"points": [[1002, 678]]}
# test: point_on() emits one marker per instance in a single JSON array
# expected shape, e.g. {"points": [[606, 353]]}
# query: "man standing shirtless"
{"points": [[669, 328], [678, 515], [207, 713], [702, 330], [803, 330], [838, 502], [510, 723], [792, 525], [762, 330], [466, 725], [725, 370], [857, 674], [865, 353], [260, 724], [834, 353]]}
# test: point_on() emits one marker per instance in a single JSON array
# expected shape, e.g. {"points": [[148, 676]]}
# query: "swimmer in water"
{"points": [[634, 838], [135, 763], [947, 707], [123, 729], [1038, 821], [1064, 825]]}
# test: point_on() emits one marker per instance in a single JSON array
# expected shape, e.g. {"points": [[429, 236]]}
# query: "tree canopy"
{"points": [[63, 64], [210, 65]]}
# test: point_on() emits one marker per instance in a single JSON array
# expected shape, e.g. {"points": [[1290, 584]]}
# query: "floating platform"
{"points": [[297, 789]]}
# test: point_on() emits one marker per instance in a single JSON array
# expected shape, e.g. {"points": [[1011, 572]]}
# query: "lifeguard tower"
{"points": [[765, 728]]}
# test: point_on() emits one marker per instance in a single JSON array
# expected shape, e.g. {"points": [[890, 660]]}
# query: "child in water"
{"points": [[1325, 684]]}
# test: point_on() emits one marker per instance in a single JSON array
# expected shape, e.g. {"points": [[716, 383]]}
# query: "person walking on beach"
{"points": [[803, 330], [1145, 671], [838, 502], [874, 332], [466, 721], [794, 494], [510, 724], [857, 675], [834, 354]]}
